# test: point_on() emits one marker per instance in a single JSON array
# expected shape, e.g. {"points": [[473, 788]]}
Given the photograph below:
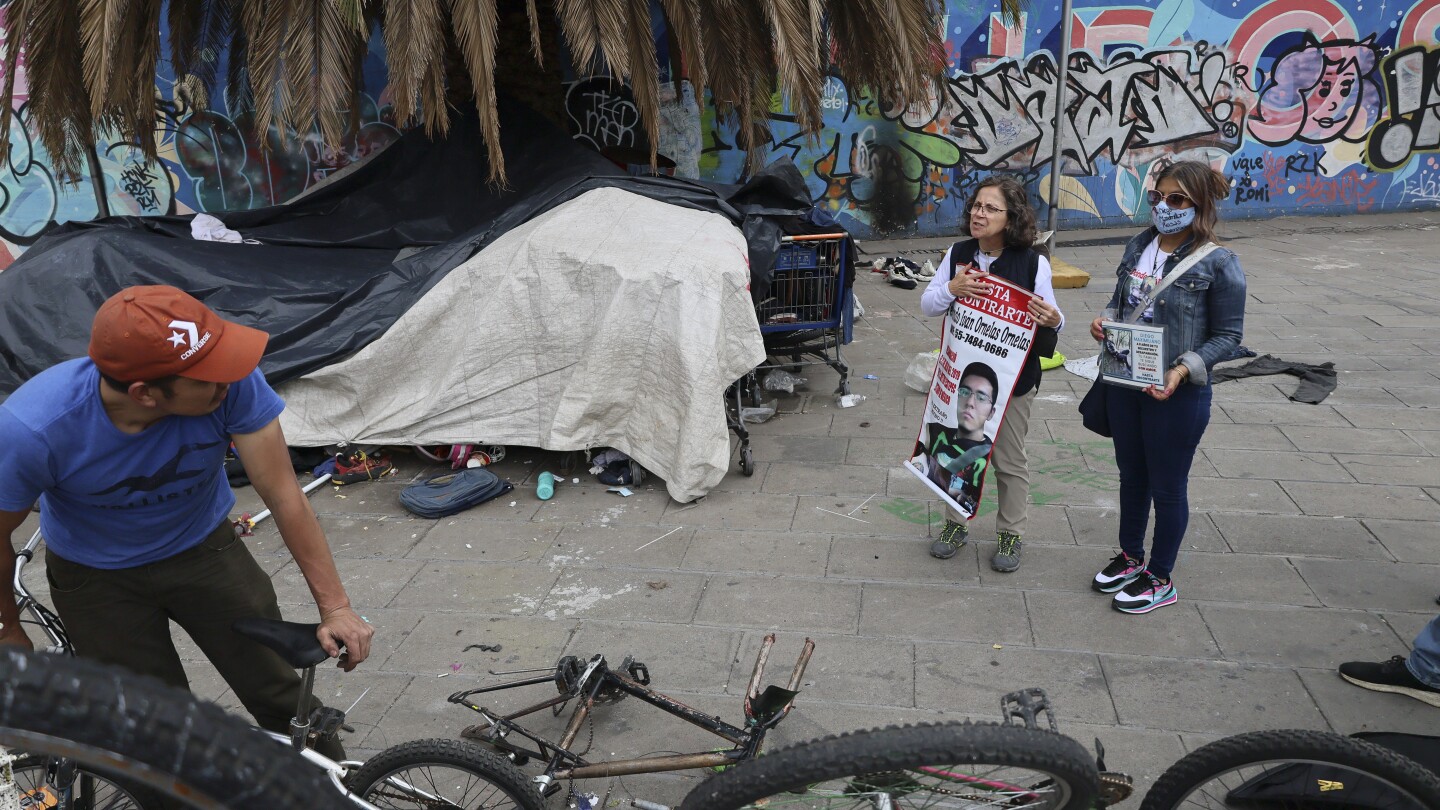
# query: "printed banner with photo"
{"points": [[1132, 354], [984, 342]]}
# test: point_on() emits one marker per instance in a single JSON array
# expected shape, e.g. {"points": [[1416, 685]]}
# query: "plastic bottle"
{"points": [[545, 486]]}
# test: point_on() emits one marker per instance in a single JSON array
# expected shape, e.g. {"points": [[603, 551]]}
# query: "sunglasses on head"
{"points": [[1174, 199]]}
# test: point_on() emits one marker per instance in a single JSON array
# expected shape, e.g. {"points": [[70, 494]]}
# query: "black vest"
{"points": [[1019, 267]]}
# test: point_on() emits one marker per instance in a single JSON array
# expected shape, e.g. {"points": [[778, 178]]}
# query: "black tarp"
{"points": [[328, 276]]}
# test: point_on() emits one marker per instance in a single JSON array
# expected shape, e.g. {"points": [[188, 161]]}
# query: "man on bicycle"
{"points": [[125, 451]]}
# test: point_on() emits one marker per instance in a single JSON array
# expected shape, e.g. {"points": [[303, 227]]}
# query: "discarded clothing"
{"points": [[1237, 353], [1316, 382]]}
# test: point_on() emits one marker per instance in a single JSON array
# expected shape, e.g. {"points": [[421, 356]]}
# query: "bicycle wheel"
{"points": [[443, 773], [954, 765], [44, 782], [139, 731], [1294, 770]]}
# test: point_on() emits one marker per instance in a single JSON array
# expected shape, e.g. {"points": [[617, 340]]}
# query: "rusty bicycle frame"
{"points": [[598, 683]]}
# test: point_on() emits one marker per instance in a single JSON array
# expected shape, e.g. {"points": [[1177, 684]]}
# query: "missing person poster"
{"points": [[984, 342], [1132, 354]]}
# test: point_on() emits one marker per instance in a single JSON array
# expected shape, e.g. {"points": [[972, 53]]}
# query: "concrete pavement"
{"points": [[1313, 541]]}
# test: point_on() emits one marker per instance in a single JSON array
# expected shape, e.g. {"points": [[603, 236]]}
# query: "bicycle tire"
{"points": [[425, 758], [103, 791], [903, 762], [1184, 783], [142, 731]]}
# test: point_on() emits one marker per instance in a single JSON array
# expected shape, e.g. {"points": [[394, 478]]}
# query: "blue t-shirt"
{"points": [[117, 500]]}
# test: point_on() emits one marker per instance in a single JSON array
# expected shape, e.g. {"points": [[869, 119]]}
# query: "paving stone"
{"points": [[1299, 637], [1293, 535], [1235, 495], [1402, 470], [887, 516], [780, 604], [1100, 528], [1069, 621], [494, 588], [1290, 413], [591, 503], [973, 677], [1363, 500], [1043, 567], [439, 640], [1407, 626], [872, 426], [492, 541], [1371, 585], [376, 693], [1427, 439], [736, 481], [1246, 437], [1349, 709], [688, 658], [786, 423], [629, 595], [845, 669], [1392, 418], [944, 613], [1240, 578], [904, 560], [1208, 696], [1268, 464], [731, 510], [1141, 754], [1408, 540], [590, 547], [1427, 397], [831, 479], [758, 552], [368, 582], [801, 449], [1365, 396], [1352, 440], [880, 452]]}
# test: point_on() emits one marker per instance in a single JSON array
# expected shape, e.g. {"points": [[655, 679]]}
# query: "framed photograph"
{"points": [[1133, 354]]}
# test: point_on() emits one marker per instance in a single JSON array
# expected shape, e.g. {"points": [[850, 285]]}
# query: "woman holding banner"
{"points": [[1156, 429], [1002, 234]]}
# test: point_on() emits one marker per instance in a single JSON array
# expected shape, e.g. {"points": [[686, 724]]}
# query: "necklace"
{"points": [[993, 253]]}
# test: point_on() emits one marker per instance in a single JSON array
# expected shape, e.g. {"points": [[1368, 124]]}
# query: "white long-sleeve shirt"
{"points": [[936, 299]]}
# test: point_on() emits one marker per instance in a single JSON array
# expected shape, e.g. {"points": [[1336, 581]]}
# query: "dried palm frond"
{"points": [[199, 32], [683, 18], [797, 58], [101, 22], [475, 23], [59, 106], [644, 78], [534, 17], [415, 46], [264, 24], [596, 28], [319, 44]]}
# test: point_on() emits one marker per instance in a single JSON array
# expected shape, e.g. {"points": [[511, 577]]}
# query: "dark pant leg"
{"points": [[1125, 407], [208, 588], [114, 616], [1171, 432]]}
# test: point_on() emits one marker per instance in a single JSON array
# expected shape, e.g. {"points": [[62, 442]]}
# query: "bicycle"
{"points": [[1284, 770]]}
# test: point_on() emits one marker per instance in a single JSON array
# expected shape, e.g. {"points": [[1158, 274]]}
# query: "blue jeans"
{"points": [[1155, 443], [1424, 660]]}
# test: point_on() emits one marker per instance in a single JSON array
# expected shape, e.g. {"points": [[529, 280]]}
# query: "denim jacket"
{"points": [[1203, 312]]}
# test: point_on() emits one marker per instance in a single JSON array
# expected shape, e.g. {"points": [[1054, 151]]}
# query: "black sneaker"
{"points": [[1120, 572], [1389, 676]]}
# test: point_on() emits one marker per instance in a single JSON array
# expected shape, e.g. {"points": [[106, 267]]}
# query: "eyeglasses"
{"points": [[981, 397], [1174, 199], [987, 208]]}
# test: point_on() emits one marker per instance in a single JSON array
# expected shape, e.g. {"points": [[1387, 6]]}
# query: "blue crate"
{"points": [[796, 257]]}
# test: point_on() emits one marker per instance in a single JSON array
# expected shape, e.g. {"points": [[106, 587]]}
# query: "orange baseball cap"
{"points": [[149, 332]]}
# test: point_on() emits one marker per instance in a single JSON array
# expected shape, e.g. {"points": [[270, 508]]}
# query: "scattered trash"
{"points": [[921, 371], [444, 674], [622, 491], [483, 648], [759, 413], [837, 514], [663, 536], [657, 585], [997, 646], [861, 506], [545, 486], [456, 667], [850, 400], [870, 377], [587, 801], [781, 380]]}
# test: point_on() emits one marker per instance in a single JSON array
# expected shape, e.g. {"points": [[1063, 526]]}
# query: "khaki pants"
{"points": [[1009, 470], [123, 617]]}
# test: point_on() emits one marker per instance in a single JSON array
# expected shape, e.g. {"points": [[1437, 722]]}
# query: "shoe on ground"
{"points": [[1120, 572], [926, 271], [1389, 676], [1007, 552], [1144, 594], [952, 537], [901, 278], [357, 467]]}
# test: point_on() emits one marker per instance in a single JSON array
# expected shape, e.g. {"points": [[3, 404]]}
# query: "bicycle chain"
{"points": [[932, 788]]}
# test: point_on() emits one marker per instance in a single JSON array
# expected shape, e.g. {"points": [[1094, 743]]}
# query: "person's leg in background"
{"points": [[209, 587], [1010, 464], [1416, 676], [1123, 405]]}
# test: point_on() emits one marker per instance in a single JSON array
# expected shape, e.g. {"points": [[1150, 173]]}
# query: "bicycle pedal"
{"points": [[1026, 705]]}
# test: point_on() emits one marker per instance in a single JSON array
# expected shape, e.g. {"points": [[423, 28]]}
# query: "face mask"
{"points": [[1172, 220]]}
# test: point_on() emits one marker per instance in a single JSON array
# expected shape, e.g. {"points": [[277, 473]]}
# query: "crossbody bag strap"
{"points": [[1170, 278]]}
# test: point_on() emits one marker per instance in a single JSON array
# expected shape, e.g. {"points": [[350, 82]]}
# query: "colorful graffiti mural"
{"points": [[209, 160], [1323, 106]]}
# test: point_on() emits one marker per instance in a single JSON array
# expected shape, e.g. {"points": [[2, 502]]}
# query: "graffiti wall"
{"points": [[209, 159], [1308, 106]]}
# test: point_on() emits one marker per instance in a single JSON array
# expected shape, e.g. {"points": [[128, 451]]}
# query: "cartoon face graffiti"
{"points": [[1332, 101], [1319, 93]]}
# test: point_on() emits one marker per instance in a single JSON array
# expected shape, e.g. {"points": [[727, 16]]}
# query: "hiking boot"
{"points": [[1389, 676], [1007, 552], [952, 537], [350, 469], [1144, 594], [1120, 572]]}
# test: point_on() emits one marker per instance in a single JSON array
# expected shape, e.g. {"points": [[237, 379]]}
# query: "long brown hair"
{"points": [[1020, 229], [1206, 188]]}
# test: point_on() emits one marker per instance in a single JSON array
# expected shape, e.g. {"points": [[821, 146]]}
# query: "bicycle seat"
{"points": [[295, 642]]}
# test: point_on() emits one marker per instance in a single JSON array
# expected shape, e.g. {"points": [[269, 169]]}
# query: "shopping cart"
{"points": [[805, 320]]}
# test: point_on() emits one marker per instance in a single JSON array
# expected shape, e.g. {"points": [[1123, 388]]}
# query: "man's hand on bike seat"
{"points": [[343, 628]]}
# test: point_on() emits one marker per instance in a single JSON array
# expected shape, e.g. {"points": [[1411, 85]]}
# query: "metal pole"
{"points": [[97, 182], [1062, 72]]}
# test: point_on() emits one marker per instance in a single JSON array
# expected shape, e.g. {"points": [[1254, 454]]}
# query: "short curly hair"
{"points": [[1020, 222]]}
